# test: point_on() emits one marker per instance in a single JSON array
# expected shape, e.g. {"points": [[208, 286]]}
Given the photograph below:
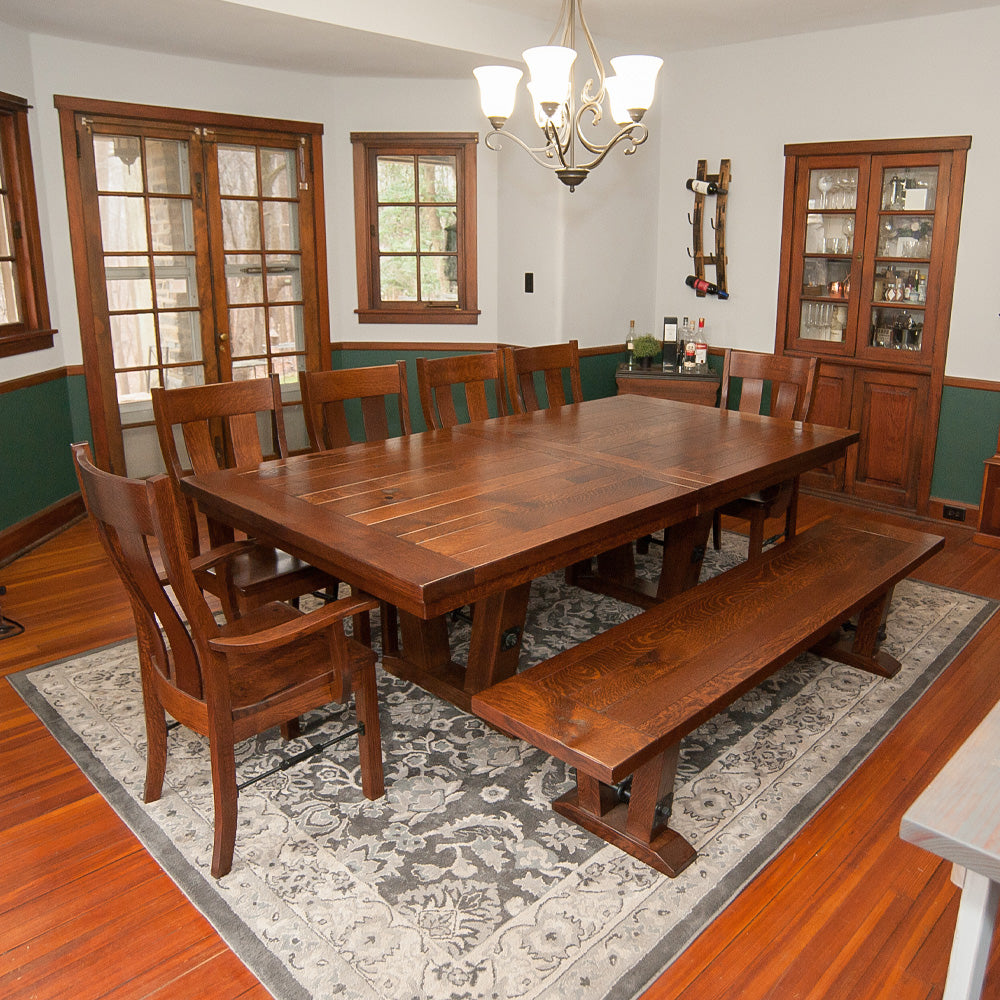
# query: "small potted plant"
{"points": [[645, 347]]}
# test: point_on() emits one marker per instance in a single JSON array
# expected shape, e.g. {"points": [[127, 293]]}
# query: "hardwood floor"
{"points": [[847, 910]]}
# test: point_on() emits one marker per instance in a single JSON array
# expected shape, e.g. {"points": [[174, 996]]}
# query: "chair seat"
{"points": [[263, 572]]}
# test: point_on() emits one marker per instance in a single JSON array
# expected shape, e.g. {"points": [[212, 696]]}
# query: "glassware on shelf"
{"points": [[896, 329], [909, 189], [908, 236], [825, 185]]}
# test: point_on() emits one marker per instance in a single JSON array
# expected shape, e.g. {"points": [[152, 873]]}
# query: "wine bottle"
{"points": [[701, 345], [701, 285], [702, 187], [630, 342]]}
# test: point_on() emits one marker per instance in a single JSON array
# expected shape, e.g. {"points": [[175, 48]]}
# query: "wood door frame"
{"points": [[102, 397]]}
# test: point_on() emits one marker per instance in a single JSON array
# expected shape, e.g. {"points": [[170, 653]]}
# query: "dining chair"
{"points": [[554, 363], [472, 374], [219, 427], [226, 682], [385, 406], [380, 391], [776, 386]]}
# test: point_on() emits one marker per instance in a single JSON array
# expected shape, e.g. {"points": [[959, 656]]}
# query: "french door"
{"points": [[198, 255]]}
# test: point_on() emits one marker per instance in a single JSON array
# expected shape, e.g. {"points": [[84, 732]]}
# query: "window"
{"points": [[415, 225], [24, 307]]}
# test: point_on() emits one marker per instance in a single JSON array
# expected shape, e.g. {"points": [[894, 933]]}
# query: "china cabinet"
{"points": [[869, 241]]}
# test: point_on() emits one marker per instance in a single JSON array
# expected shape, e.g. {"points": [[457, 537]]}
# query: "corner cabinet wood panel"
{"points": [[869, 242]]}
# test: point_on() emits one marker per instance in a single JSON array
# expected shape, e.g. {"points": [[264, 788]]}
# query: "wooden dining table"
{"points": [[470, 515]]}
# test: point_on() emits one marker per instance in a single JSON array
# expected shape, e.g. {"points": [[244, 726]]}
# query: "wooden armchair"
{"points": [[219, 427], [379, 390], [551, 362], [225, 682], [474, 373], [790, 382]]}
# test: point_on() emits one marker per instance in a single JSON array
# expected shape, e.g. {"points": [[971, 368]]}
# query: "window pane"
{"points": [[285, 329], [237, 170], [118, 161], [179, 337], [395, 178], [284, 279], [439, 279], [438, 229], [10, 311], [281, 225], [397, 229], [176, 282], [133, 340], [167, 170], [398, 279], [438, 178], [6, 244], [123, 223], [246, 332], [240, 225], [244, 283], [277, 173], [170, 224], [128, 283]]}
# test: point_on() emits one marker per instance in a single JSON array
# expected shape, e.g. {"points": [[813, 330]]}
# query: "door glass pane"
{"points": [[171, 224], [118, 159], [897, 329], [128, 283], [176, 282], [237, 170], [832, 188], [240, 225], [826, 277], [823, 321], [284, 279], [438, 178], [396, 181], [900, 283], [285, 329], [277, 173], [133, 341], [167, 168], [247, 332], [180, 337], [281, 225], [123, 223], [244, 278], [908, 236], [909, 189], [398, 279]]}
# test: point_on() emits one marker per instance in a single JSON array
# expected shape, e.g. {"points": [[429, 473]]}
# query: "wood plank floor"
{"points": [[847, 910]]}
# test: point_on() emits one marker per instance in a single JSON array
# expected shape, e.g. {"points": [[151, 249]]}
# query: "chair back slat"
{"points": [[790, 381], [378, 389], [122, 516], [470, 375], [555, 364]]}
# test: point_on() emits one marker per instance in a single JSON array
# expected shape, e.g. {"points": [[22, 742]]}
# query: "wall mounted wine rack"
{"points": [[717, 259]]}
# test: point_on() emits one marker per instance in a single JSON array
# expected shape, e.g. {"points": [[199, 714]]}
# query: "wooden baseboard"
{"points": [[935, 510], [26, 534]]}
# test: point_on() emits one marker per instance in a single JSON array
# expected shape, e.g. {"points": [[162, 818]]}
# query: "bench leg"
{"points": [[862, 649], [973, 935], [638, 826]]}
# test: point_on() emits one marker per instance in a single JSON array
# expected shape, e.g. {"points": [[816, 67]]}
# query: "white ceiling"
{"points": [[432, 38]]}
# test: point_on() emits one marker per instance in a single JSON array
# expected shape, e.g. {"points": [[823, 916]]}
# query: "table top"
{"points": [[957, 816], [434, 521]]}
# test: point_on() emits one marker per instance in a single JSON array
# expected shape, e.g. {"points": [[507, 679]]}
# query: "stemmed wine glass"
{"points": [[825, 184], [848, 227]]}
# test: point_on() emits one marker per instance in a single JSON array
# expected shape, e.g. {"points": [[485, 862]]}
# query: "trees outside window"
{"points": [[415, 225]]}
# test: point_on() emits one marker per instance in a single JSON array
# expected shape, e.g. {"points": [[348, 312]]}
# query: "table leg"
{"points": [[684, 547], [495, 645], [638, 826], [970, 948]]}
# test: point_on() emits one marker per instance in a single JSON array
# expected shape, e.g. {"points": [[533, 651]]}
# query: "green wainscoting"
{"points": [[967, 436], [37, 425]]}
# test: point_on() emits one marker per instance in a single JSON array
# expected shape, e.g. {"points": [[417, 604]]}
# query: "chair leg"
{"points": [[291, 730], [370, 742], [156, 750], [224, 795], [716, 531], [791, 514], [756, 545], [390, 629]]}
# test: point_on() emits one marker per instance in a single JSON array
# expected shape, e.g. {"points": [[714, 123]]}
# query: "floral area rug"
{"points": [[461, 883]]}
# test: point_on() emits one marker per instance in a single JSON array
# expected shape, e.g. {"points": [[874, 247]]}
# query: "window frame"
{"points": [[33, 331], [368, 146]]}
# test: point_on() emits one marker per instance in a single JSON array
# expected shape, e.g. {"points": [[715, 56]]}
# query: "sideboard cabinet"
{"points": [[869, 242]]}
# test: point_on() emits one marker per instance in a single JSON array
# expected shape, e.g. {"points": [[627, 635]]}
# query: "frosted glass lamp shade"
{"points": [[497, 90], [550, 67], [637, 76], [616, 101], [550, 111]]}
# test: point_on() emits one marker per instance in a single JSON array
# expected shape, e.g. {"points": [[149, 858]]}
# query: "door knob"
{"points": [[223, 337]]}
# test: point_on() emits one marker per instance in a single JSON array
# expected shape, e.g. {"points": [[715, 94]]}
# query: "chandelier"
{"points": [[629, 93]]}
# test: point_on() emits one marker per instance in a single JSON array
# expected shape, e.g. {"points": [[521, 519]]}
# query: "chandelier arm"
{"points": [[585, 94], [565, 22], [533, 151], [624, 135]]}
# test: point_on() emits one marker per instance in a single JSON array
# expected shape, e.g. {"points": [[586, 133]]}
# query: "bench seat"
{"points": [[617, 706]]}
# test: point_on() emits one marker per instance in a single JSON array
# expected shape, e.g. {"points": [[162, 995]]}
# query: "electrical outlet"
{"points": [[953, 513]]}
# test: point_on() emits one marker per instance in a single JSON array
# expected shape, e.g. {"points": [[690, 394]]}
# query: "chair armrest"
{"points": [[281, 635], [208, 560]]}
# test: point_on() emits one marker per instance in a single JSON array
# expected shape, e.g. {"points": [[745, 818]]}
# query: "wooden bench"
{"points": [[617, 706]]}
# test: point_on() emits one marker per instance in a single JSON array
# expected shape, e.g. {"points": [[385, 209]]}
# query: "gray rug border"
{"points": [[633, 983]]}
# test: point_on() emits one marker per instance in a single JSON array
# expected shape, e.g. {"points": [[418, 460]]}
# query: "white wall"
{"points": [[924, 77]]}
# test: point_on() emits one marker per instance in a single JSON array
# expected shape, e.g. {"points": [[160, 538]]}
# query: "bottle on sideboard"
{"points": [[701, 187], [701, 345], [708, 287], [683, 336], [630, 342]]}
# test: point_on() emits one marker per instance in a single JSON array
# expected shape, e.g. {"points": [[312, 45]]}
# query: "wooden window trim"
{"points": [[368, 145], [34, 331]]}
